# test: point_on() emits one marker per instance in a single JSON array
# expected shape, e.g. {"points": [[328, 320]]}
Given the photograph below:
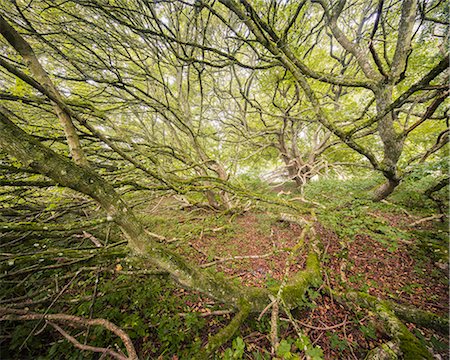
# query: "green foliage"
{"points": [[302, 345], [251, 181], [144, 308], [336, 342], [410, 192], [284, 349], [369, 331], [236, 351], [357, 218]]}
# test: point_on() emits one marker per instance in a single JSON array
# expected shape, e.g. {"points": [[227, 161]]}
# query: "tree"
{"points": [[156, 96]]}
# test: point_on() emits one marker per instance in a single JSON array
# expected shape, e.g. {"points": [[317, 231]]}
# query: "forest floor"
{"points": [[389, 250], [253, 247]]}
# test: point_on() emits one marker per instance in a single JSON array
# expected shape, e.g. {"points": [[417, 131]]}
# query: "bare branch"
{"points": [[15, 314]]}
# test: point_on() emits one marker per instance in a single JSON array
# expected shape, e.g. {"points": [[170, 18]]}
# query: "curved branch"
{"points": [[32, 62], [15, 314], [80, 346]]}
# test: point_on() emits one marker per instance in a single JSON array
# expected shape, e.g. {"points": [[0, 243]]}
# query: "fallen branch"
{"points": [[429, 218], [145, 272], [322, 328], [410, 346], [45, 227], [160, 238], [307, 201], [222, 260], [274, 325], [225, 333], [389, 350], [293, 219]]}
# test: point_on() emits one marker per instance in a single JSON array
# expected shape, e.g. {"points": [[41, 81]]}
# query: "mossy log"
{"points": [[411, 348], [421, 318]]}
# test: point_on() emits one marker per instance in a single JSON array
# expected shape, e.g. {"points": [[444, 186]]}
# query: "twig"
{"points": [[161, 238], [211, 313], [322, 328], [395, 205], [429, 218], [49, 307], [219, 261], [144, 272], [307, 201], [157, 205], [265, 310], [91, 237], [329, 286], [91, 307], [274, 326], [48, 267], [198, 249], [44, 227], [348, 342]]}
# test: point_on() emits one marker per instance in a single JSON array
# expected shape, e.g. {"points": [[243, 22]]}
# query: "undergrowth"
{"points": [[166, 322]]}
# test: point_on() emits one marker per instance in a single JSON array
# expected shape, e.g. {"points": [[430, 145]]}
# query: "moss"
{"points": [[386, 351], [294, 291], [205, 281], [421, 318], [411, 347], [227, 332]]}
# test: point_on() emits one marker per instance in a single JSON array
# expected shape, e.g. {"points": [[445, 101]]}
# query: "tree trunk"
{"points": [[32, 153], [392, 144], [385, 190]]}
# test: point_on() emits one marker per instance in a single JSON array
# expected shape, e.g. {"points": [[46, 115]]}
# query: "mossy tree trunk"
{"points": [[32, 153]]}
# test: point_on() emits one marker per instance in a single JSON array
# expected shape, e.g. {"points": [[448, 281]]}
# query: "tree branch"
{"points": [[15, 314]]}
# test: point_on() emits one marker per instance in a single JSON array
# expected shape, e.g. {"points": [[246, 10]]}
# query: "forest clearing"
{"points": [[224, 179]]}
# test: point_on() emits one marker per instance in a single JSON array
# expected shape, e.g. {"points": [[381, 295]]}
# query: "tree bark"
{"points": [[392, 144], [385, 190]]}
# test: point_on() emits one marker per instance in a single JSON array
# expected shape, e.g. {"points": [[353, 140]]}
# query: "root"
{"points": [[422, 318], [295, 289]]}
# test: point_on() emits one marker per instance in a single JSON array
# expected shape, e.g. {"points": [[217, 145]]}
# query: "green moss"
{"points": [[411, 347], [422, 318], [294, 291], [227, 332]]}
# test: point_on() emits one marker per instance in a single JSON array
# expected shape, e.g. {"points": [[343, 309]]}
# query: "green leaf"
{"points": [[284, 348], [315, 353], [239, 347]]}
